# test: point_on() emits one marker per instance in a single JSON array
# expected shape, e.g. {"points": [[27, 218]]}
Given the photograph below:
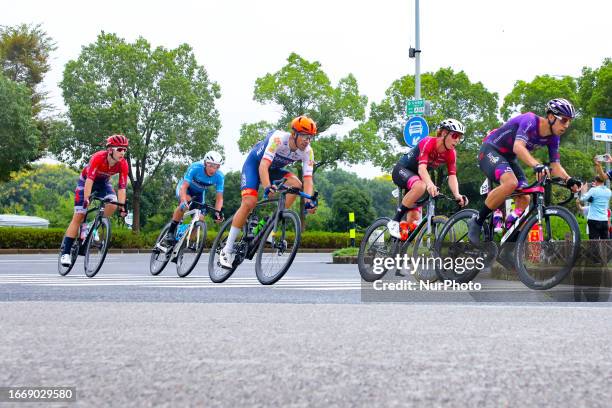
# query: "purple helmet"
{"points": [[561, 107]]}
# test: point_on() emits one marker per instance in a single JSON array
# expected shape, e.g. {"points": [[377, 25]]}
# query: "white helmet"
{"points": [[213, 157], [453, 125]]}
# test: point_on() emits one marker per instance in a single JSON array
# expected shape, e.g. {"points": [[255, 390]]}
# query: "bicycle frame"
{"points": [[538, 191], [252, 244]]}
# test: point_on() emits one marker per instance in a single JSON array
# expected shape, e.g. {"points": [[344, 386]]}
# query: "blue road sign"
{"points": [[416, 129], [602, 129]]}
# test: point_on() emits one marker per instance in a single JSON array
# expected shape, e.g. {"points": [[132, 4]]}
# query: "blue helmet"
{"points": [[561, 107]]}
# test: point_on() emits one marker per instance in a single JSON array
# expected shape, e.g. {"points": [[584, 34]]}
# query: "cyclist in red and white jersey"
{"points": [[95, 179]]}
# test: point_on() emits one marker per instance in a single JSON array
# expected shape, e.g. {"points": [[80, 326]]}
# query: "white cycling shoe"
{"points": [[66, 260], [226, 259], [394, 228]]}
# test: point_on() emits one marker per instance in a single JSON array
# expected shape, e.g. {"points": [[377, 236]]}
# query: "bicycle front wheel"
{"points": [[74, 253], [376, 245], [160, 254], [546, 255], [217, 273], [191, 249], [422, 250], [277, 249], [97, 246]]}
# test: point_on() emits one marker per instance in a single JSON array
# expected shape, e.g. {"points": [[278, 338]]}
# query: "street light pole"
{"points": [[417, 53]]}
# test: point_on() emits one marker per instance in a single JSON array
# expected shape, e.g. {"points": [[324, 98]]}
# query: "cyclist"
{"points": [[198, 177], [265, 164], [411, 171], [95, 179], [515, 139]]}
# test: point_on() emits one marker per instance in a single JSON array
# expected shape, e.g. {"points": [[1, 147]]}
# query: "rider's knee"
{"points": [[509, 183], [248, 202], [293, 181], [419, 187]]}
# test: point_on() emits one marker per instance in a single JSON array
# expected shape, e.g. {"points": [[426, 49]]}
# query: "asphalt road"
{"points": [[125, 338]]}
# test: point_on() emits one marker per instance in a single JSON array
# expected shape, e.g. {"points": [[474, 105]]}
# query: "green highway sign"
{"points": [[415, 107]]}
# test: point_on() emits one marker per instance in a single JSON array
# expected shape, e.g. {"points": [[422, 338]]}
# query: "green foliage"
{"points": [[161, 99], [302, 87], [452, 94], [351, 199], [350, 251], [24, 58], [319, 221], [18, 133], [231, 193], [36, 238], [45, 191]]}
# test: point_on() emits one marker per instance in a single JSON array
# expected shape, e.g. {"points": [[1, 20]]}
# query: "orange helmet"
{"points": [[117, 141], [303, 124]]}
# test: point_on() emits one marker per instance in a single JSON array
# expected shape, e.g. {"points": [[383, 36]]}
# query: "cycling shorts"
{"points": [[249, 180], [102, 189], [404, 179], [195, 195], [495, 164]]}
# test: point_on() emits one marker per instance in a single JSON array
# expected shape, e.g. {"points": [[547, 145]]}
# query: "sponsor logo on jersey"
{"points": [[492, 159]]}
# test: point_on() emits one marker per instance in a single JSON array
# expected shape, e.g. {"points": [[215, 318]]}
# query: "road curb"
{"points": [[23, 251]]}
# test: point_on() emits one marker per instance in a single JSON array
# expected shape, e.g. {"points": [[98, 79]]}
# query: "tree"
{"points": [[351, 199], [44, 190], [302, 87], [24, 58], [161, 99], [18, 133], [595, 90], [452, 94]]}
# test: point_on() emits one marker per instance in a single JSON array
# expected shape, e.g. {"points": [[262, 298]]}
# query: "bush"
{"points": [[36, 238], [350, 251]]}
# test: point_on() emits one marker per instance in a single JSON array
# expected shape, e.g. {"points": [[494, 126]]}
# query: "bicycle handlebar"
{"points": [[206, 207]]}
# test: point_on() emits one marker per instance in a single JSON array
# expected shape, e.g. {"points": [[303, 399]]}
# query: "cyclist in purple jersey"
{"points": [[515, 140]]}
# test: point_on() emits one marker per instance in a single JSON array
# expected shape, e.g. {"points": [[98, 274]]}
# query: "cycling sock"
{"points": [[67, 244], [229, 244], [173, 225], [483, 214], [401, 211]]}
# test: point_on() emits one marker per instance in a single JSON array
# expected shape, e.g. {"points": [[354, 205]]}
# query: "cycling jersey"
{"points": [[99, 170], [523, 127], [275, 149], [427, 153], [198, 179]]}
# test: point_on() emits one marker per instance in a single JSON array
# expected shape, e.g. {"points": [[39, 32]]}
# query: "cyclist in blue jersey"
{"points": [[198, 177], [515, 140]]}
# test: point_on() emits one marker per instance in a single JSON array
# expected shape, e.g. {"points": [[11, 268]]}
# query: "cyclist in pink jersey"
{"points": [[411, 171]]}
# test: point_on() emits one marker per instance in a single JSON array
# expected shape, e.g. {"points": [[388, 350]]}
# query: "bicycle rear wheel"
{"points": [[377, 244], [548, 258], [216, 272], [74, 253], [277, 250], [160, 254], [423, 249], [97, 246]]}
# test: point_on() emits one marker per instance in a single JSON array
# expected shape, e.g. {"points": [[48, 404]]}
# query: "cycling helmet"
{"points": [[453, 125], [213, 157], [303, 124], [561, 107], [117, 141]]}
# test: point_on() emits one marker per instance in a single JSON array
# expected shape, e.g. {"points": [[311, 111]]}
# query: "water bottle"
{"points": [[259, 226], [84, 231], [181, 230], [404, 230], [513, 216], [497, 221], [253, 221]]}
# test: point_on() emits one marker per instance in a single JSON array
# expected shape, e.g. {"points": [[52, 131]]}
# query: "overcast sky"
{"points": [[495, 42]]}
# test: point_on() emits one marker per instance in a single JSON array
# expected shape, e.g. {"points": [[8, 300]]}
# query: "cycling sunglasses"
{"points": [[309, 138], [456, 135], [563, 119], [120, 149]]}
